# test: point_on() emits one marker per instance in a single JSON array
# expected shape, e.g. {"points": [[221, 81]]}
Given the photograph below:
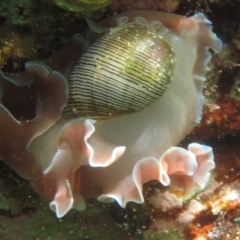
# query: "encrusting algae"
{"points": [[13, 46]]}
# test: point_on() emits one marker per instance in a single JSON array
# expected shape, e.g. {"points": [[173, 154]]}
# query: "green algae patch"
{"points": [[80, 5], [25, 215], [166, 235], [42, 224]]}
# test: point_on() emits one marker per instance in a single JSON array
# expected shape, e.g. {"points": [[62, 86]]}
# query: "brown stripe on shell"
{"points": [[126, 70]]}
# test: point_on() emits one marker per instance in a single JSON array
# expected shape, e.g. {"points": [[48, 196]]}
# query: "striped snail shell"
{"points": [[124, 71]]}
